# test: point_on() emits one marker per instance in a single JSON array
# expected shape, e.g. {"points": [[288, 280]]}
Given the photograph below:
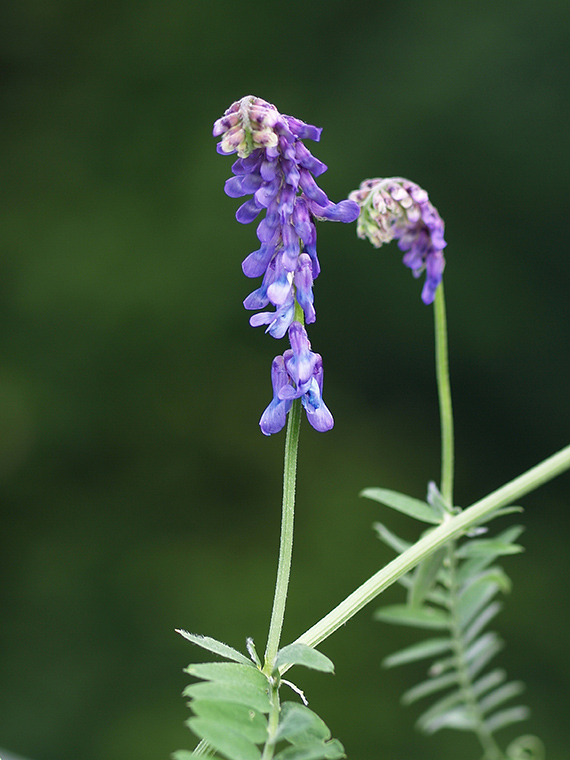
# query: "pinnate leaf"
{"points": [[415, 508], [419, 617], [506, 718], [424, 577], [428, 687], [242, 694], [217, 647], [302, 654], [225, 739], [419, 651], [230, 673], [251, 723]]}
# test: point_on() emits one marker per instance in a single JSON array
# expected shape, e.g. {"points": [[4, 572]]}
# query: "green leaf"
{"points": [[419, 651], [240, 718], [332, 750], [500, 695], [481, 621], [461, 719], [241, 694], [429, 687], [415, 508], [424, 577], [482, 547], [478, 663], [474, 598], [489, 681], [217, 647], [391, 539], [506, 718], [300, 725], [229, 672], [301, 654], [488, 643], [183, 754], [498, 513], [440, 707], [308, 733], [232, 744], [419, 617]]}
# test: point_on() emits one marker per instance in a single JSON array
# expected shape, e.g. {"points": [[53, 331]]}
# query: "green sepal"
{"points": [[217, 647], [302, 654], [415, 508], [419, 651], [419, 617]]}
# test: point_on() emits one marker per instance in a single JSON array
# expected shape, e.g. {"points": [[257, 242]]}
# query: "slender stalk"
{"points": [[444, 394], [286, 541], [451, 529]]}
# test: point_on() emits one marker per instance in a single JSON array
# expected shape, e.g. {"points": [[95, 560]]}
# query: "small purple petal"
{"points": [[275, 415], [247, 212]]}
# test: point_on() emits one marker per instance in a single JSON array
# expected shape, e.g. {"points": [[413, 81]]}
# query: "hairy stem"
{"points": [[286, 541], [444, 394]]}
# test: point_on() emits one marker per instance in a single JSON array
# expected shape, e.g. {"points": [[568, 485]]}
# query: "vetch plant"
{"points": [[450, 573]]}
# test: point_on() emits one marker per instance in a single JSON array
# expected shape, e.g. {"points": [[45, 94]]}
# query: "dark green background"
{"points": [[138, 494]]}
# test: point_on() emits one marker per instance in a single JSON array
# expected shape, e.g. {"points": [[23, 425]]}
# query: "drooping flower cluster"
{"points": [[278, 171], [297, 374], [395, 208]]}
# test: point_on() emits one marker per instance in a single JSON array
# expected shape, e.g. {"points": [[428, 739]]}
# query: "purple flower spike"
{"points": [[297, 374], [278, 170], [396, 208]]}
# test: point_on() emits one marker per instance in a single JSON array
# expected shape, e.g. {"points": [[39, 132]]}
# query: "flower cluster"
{"points": [[395, 208], [297, 374], [278, 171]]}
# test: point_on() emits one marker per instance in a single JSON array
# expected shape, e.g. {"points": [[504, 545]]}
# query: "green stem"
{"points": [[449, 530], [286, 541], [444, 393]]}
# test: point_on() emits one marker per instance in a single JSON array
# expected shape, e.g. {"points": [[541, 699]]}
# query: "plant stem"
{"points": [[451, 529], [444, 393], [286, 541]]}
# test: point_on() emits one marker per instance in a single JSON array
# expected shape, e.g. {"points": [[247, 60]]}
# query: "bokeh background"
{"points": [[138, 494]]}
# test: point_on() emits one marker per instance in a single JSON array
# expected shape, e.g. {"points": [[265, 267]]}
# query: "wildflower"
{"points": [[297, 374], [395, 208], [277, 170]]}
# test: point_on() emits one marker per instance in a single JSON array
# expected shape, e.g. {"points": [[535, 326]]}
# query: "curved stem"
{"points": [[450, 529], [286, 541], [444, 393]]}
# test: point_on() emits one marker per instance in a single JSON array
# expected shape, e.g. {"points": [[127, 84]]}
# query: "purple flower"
{"points": [[277, 170], [395, 208], [297, 374]]}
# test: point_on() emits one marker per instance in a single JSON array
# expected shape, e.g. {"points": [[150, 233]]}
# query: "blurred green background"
{"points": [[138, 494]]}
